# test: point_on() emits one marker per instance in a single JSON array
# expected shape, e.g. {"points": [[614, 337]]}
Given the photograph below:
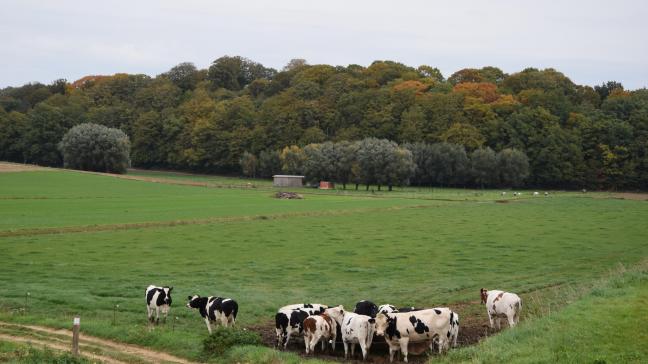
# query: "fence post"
{"points": [[75, 336]]}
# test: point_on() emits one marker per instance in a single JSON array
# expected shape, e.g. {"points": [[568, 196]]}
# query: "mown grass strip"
{"points": [[213, 220]]}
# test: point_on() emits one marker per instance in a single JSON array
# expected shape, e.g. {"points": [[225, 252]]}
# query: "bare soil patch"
{"points": [[472, 329], [6, 167], [635, 196]]}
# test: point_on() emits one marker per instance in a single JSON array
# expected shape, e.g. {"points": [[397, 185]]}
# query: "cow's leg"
{"points": [[510, 316], [314, 340], [498, 321], [157, 314], [346, 349], [403, 347], [443, 342], [363, 348], [286, 339], [208, 325], [278, 338], [454, 337], [333, 338], [149, 313], [307, 343], [490, 319], [323, 339], [353, 345], [392, 351]]}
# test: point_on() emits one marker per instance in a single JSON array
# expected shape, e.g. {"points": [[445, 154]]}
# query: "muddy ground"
{"points": [[472, 329]]}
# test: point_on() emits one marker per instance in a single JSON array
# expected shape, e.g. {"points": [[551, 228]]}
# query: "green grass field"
{"points": [[83, 243]]}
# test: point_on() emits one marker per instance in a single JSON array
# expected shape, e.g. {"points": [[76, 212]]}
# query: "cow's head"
{"points": [[386, 309], [484, 295], [374, 310], [167, 295], [196, 301], [382, 323], [336, 313]]}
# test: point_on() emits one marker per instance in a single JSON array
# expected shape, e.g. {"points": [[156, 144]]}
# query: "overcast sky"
{"points": [[590, 41]]}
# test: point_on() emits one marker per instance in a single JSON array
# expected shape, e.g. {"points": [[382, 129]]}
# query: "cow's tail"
{"points": [[234, 311]]}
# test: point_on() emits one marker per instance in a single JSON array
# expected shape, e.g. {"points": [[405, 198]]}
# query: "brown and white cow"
{"points": [[319, 328], [399, 329], [289, 320], [355, 328], [501, 304]]}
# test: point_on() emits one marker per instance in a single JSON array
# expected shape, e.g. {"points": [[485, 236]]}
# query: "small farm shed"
{"points": [[324, 185], [283, 180]]}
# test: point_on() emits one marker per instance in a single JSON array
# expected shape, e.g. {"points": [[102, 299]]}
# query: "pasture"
{"points": [[82, 243]]}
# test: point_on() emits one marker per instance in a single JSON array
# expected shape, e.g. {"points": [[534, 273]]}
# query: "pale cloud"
{"points": [[590, 41]]}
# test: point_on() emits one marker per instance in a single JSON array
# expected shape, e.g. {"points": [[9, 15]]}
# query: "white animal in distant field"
{"points": [[536, 193], [501, 304], [503, 193], [546, 194]]}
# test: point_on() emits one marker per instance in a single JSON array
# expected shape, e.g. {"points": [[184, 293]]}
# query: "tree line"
{"points": [[381, 162], [207, 119]]}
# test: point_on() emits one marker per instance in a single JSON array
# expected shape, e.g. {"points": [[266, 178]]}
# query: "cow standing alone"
{"points": [[214, 309], [157, 299], [501, 304]]}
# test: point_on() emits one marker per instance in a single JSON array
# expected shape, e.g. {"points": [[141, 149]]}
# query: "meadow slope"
{"points": [[412, 247]]}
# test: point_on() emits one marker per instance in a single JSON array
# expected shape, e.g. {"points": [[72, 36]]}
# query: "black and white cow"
{"points": [[387, 308], [454, 332], [214, 309], [289, 320], [157, 299], [366, 308], [424, 326]]}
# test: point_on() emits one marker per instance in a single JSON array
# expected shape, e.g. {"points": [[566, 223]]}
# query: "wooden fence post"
{"points": [[75, 336]]}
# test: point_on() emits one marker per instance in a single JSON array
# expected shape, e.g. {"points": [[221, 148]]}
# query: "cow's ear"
{"points": [[189, 298], [170, 289]]}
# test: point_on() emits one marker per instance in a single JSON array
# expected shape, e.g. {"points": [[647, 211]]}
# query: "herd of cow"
{"points": [[321, 323]]}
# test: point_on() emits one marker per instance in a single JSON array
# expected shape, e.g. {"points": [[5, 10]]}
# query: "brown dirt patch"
{"points": [[6, 167], [635, 196]]}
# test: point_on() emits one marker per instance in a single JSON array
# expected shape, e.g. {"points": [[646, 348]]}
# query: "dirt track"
{"points": [[60, 340]]}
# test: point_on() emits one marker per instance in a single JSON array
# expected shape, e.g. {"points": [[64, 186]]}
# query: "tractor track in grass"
{"points": [[111, 351], [206, 221]]}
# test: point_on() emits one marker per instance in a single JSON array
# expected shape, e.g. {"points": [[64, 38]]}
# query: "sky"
{"points": [[590, 41]]}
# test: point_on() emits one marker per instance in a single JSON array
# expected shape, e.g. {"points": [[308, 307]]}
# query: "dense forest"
{"points": [[208, 119]]}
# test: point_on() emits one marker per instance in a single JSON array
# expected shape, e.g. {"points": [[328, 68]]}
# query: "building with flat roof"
{"points": [[284, 180]]}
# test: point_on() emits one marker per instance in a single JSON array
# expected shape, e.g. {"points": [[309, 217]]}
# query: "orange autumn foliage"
{"points": [[417, 86], [485, 91], [87, 79]]}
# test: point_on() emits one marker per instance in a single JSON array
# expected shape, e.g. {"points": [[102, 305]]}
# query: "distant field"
{"points": [[414, 246]]}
